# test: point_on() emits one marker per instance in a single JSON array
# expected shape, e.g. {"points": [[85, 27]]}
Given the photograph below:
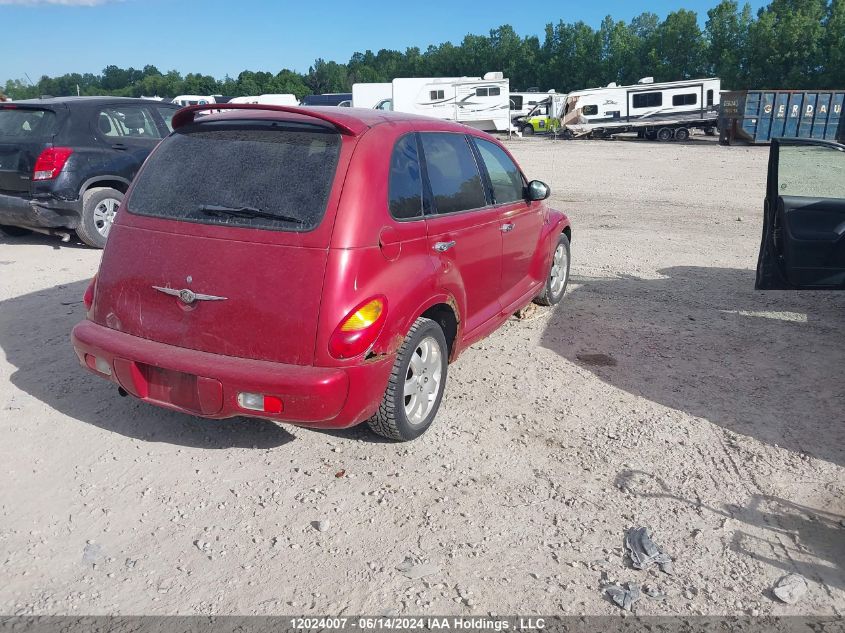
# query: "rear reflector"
{"points": [[50, 163], [100, 365], [260, 402]]}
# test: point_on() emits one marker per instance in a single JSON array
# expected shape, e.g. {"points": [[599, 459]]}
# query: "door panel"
{"points": [[463, 229], [472, 267], [803, 243], [518, 246], [813, 240]]}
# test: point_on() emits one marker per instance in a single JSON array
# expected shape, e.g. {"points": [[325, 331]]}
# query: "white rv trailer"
{"points": [[653, 110], [482, 103], [369, 95], [269, 99]]}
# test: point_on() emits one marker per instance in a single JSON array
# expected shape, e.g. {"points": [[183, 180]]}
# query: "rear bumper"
{"points": [[208, 385], [39, 212]]}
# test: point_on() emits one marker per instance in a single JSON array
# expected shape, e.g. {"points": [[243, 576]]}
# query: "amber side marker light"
{"points": [[359, 329]]}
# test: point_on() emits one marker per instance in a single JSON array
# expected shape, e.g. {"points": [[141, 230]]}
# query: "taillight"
{"points": [[88, 297], [50, 163], [359, 329]]}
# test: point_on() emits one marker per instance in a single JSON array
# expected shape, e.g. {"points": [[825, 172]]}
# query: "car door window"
{"points": [[405, 184], [452, 172], [504, 174], [811, 171], [127, 122], [167, 116]]}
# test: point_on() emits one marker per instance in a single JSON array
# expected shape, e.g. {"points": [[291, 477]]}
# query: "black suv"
{"points": [[65, 163]]}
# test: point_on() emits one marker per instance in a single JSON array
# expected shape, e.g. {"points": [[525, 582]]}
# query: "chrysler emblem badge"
{"points": [[188, 296]]}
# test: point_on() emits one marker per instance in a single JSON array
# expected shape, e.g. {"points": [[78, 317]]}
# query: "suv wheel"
{"points": [[14, 231], [99, 206], [558, 277], [528, 130], [416, 384]]}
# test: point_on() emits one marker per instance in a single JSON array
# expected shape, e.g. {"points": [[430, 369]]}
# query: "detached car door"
{"points": [[803, 244]]}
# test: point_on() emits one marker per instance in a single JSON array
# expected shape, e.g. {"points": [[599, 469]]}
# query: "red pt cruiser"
{"points": [[318, 266]]}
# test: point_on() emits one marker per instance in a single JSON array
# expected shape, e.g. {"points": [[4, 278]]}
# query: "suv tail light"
{"points": [[88, 297], [359, 329], [50, 163]]}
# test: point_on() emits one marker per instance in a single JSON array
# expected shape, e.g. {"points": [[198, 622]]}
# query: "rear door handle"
{"points": [[120, 146], [507, 228], [442, 247]]}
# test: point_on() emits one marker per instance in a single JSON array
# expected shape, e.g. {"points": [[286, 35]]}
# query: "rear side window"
{"points": [[26, 124], [504, 174], [405, 186], [452, 172], [127, 121], [265, 175]]}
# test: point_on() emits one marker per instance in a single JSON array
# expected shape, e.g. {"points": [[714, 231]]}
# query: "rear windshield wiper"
{"points": [[246, 212]]}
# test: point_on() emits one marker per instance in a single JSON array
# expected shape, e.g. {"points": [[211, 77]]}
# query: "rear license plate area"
{"points": [[171, 387]]}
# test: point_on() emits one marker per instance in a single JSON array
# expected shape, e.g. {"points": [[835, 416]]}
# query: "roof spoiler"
{"points": [[344, 124]]}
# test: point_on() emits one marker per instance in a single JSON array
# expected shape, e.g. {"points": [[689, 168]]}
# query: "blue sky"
{"points": [[217, 37]]}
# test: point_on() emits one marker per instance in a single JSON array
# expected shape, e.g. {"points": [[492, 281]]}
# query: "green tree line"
{"points": [[788, 44]]}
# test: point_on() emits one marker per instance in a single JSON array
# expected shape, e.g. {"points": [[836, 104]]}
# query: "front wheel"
{"points": [[416, 384], [528, 130], [558, 277]]}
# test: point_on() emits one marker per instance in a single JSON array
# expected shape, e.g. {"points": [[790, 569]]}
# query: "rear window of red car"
{"points": [[272, 175]]}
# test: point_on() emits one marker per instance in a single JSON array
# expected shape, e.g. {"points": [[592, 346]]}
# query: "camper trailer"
{"points": [[269, 99], [482, 103], [369, 95], [662, 111]]}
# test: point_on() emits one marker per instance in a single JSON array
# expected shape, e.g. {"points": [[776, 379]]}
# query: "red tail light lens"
{"points": [[359, 329], [88, 297], [50, 163]]}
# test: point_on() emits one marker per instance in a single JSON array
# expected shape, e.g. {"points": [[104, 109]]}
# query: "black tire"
{"points": [[665, 134], [681, 134], [528, 130], [548, 297], [88, 230], [391, 420], [14, 231]]}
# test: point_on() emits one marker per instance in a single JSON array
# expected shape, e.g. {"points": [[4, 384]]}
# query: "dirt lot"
{"points": [[664, 391]]}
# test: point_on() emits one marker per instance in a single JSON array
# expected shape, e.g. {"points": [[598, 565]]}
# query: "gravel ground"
{"points": [[664, 391]]}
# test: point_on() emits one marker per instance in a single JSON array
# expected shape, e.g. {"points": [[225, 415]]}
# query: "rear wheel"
{"points": [[528, 130], [99, 206], [416, 384], [665, 134], [558, 277], [682, 134], [14, 231]]}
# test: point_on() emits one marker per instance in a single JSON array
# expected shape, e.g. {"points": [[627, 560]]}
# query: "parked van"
{"points": [[332, 291]]}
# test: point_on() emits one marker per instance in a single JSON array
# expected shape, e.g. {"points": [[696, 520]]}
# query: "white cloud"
{"points": [[64, 3]]}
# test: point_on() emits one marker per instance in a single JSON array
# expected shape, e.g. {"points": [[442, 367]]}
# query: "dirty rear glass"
{"points": [[271, 175], [23, 124]]}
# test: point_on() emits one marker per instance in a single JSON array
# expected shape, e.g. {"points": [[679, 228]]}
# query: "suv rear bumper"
{"points": [[39, 212], [207, 385]]}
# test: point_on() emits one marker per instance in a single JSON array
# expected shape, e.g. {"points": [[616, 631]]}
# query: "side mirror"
{"points": [[538, 190]]}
